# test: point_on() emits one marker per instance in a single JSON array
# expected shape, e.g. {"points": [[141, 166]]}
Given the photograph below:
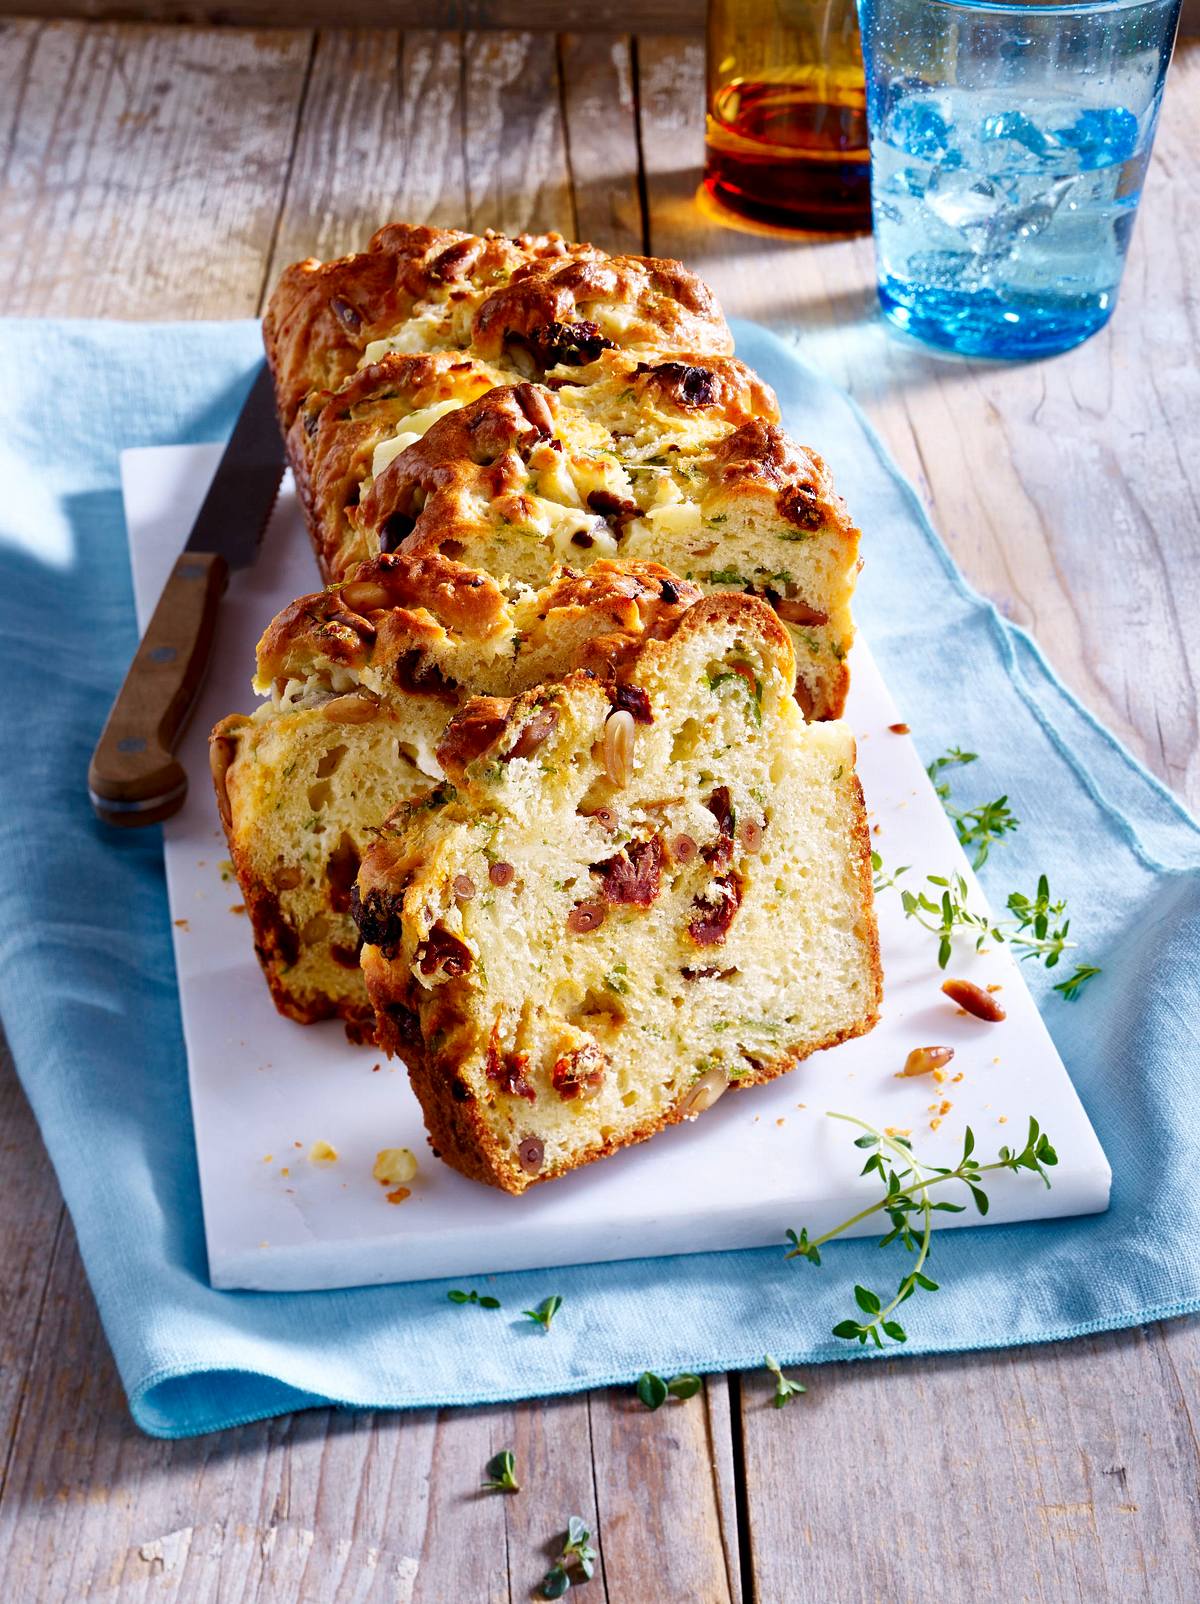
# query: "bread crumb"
{"points": [[946, 1107], [934, 1123], [182, 924], [995, 986], [375, 1068], [1003, 1120], [801, 1105], [226, 868], [264, 1244], [995, 1060], [268, 1158], [322, 1152], [297, 1144], [939, 1075], [399, 1195], [898, 729], [285, 1170], [955, 1079], [237, 907], [781, 1120], [394, 1166], [897, 1130]]}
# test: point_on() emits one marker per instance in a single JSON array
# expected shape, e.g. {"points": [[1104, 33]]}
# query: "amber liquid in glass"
{"points": [[786, 139]]}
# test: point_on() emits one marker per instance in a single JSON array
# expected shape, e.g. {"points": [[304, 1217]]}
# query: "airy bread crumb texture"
{"points": [[610, 913], [361, 687]]}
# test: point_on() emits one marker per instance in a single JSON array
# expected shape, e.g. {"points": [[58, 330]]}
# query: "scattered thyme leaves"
{"points": [[545, 1311], [785, 1389], [906, 1202], [485, 1301], [501, 1473], [577, 1553], [654, 1391]]}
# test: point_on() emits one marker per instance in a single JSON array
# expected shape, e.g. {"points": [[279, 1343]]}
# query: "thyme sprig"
{"points": [[1037, 929], [906, 1203], [577, 1552], [977, 827]]}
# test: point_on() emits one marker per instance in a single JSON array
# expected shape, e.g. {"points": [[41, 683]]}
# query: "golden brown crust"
{"points": [[333, 438], [323, 315], [462, 1138], [399, 604], [560, 312]]}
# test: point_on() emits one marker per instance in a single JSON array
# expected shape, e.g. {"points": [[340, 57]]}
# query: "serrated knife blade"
{"points": [[134, 777]]}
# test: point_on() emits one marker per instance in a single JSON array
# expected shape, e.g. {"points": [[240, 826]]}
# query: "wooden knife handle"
{"points": [[134, 777]]}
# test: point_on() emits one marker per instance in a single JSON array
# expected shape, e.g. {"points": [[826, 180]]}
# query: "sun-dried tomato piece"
{"points": [[713, 918], [445, 952], [633, 876], [507, 1070], [581, 1069], [633, 699], [719, 853]]}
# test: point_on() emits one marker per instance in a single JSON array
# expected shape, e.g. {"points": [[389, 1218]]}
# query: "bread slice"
{"points": [[623, 900], [340, 441], [362, 679], [527, 477]]}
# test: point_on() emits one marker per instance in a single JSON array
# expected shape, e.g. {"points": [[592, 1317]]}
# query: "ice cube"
{"points": [[1014, 127], [1100, 136], [965, 202], [916, 125]]}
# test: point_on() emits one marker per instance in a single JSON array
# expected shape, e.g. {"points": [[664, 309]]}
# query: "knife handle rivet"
{"points": [[163, 654], [132, 743]]}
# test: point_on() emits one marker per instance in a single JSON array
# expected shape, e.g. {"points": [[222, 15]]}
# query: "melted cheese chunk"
{"points": [[411, 430]]}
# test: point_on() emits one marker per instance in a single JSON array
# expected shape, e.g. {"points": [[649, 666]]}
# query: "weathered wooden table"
{"points": [[158, 172]]}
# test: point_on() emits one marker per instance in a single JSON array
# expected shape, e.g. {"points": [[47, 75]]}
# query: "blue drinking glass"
{"points": [[1009, 143]]}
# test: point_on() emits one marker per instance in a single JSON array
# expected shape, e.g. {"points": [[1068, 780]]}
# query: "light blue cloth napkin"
{"points": [[87, 986]]}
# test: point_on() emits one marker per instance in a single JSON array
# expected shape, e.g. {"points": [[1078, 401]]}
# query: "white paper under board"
{"points": [[265, 1089]]}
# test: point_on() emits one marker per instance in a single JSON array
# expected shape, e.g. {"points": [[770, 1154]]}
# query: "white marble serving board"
{"points": [[265, 1089]]}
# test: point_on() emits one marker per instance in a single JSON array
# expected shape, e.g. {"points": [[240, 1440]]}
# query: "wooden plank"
{"points": [[601, 16], [323, 1507], [1094, 573], [144, 171], [517, 175], [602, 139], [662, 1487], [1067, 1474], [32, 1211], [380, 137]]}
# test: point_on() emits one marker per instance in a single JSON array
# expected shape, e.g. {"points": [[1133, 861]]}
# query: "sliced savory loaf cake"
{"points": [[623, 899], [362, 679], [527, 477]]}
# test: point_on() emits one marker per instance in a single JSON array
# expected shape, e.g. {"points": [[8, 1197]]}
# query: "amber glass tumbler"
{"points": [[786, 139]]}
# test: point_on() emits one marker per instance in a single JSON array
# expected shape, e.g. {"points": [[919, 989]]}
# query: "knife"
{"points": [[134, 777]]}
